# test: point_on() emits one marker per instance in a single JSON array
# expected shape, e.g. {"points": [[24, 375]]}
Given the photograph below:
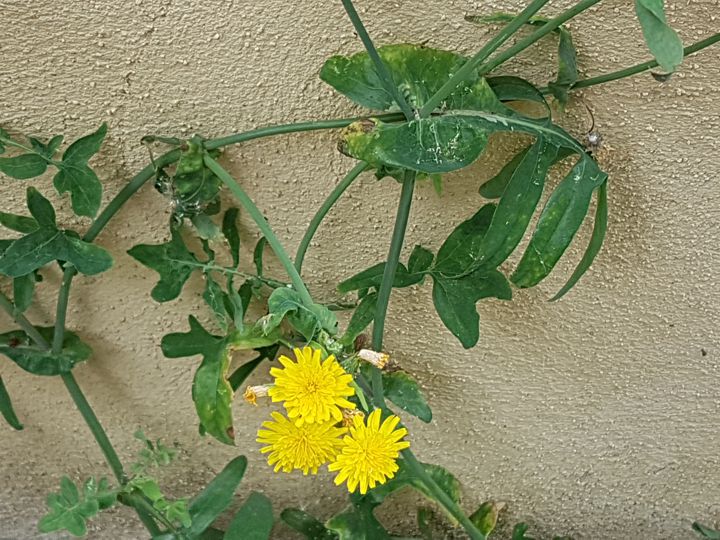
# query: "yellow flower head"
{"points": [[369, 453], [305, 447], [312, 391]]}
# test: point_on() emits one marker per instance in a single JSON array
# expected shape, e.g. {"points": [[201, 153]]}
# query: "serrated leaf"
{"points": [[706, 531], [596, 241], [75, 176], [172, 260], [663, 42], [561, 218], [6, 408], [216, 497], [362, 316], [485, 517], [71, 509], [22, 224], [420, 260], [253, 521], [23, 291], [23, 166], [231, 233], [372, 277], [304, 523], [18, 346], [455, 300]]}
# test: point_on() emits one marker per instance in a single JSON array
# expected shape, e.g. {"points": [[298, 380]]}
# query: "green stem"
{"points": [[281, 129], [541, 32], [61, 310], [468, 69], [22, 321], [264, 227], [385, 76], [639, 68], [324, 209]]}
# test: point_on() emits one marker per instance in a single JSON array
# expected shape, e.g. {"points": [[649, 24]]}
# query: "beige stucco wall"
{"points": [[597, 416]]}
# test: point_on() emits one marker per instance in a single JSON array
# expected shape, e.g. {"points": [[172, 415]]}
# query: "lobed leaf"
{"points": [[287, 303], [22, 224], [23, 166], [372, 277], [18, 346]]}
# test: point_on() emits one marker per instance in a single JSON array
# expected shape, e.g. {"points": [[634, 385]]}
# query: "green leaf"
{"points": [[243, 372], [560, 220], [486, 516], [418, 71], [215, 298], [216, 497], [172, 260], [18, 346], [258, 255], [420, 260], [75, 176], [706, 531], [253, 521], [22, 224], [23, 290], [6, 408], [372, 277], [458, 252], [47, 243], [211, 391], [455, 300], [231, 233], [47, 150], [286, 302], [510, 88], [357, 522], [406, 477], [405, 392], [663, 41], [23, 166], [519, 531], [206, 227], [567, 74], [363, 315], [304, 523], [70, 509], [596, 241]]}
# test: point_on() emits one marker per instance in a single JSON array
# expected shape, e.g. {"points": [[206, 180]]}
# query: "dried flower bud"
{"points": [[252, 393], [378, 359], [349, 416]]}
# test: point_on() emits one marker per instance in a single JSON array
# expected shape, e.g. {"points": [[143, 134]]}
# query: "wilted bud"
{"points": [[349, 415], [252, 393], [378, 359]]}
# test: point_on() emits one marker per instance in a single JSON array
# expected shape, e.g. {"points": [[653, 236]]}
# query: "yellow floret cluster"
{"points": [[312, 433]]}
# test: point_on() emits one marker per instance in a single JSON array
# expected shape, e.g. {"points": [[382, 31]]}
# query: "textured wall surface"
{"points": [[597, 416]]}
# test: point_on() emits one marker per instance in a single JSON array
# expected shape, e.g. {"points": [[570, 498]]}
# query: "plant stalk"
{"points": [[281, 129], [22, 321], [471, 65], [324, 209], [385, 76], [264, 227], [541, 32]]}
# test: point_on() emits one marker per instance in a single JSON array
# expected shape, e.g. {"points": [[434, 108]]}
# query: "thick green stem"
{"points": [[385, 76], [639, 68], [281, 129], [471, 65], [61, 310], [264, 227], [324, 209], [22, 321], [541, 32]]}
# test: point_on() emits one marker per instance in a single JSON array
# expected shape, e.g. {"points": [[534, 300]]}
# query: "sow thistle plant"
{"points": [[335, 402]]}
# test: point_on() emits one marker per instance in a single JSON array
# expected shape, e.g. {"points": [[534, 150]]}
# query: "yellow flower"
{"points": [[312, 391], [369, 453], [305, 447]]}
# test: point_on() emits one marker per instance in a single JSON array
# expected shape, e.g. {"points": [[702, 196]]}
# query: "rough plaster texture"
{"points": [[595, 417]]}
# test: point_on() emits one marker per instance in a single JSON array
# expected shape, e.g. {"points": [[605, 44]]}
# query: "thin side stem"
{"points": [[471, 65], [61, 310], [324, 209], [281, 129], [384, 73], [541, 32], [22, 321], [264, 227], [639, 68]]}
